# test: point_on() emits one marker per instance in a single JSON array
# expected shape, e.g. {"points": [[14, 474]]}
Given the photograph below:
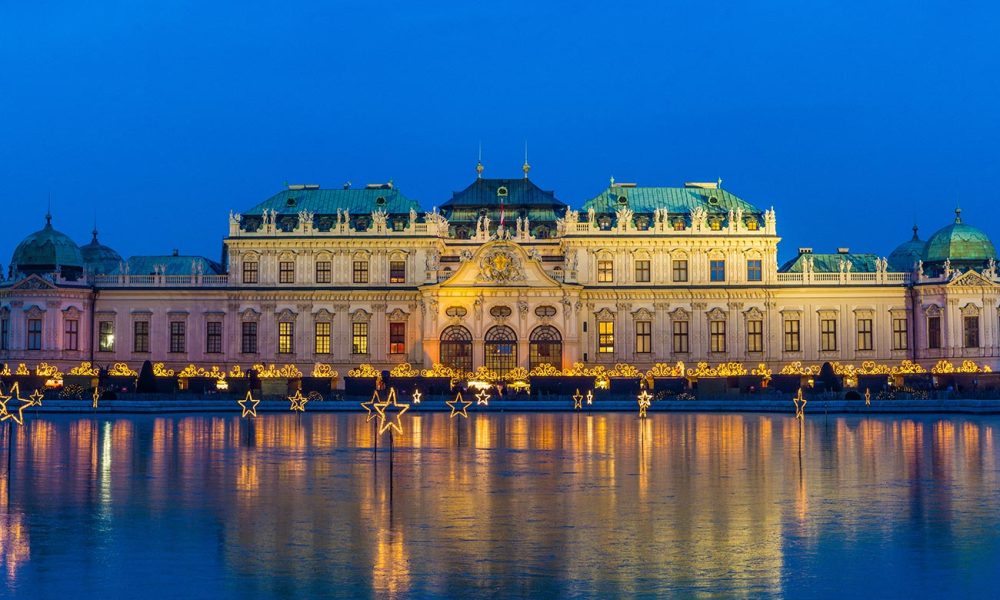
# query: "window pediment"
{"points": [[360, 316], [286, 314], [605, 314]]}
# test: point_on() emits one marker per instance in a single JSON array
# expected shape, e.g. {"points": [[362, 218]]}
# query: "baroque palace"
{"points": [[502, 275]]}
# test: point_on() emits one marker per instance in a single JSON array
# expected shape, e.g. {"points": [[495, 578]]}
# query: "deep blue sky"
{"points": [[851, 118]]}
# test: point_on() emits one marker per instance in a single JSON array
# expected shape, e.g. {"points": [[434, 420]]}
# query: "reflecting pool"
{"points": [[500, 505]]}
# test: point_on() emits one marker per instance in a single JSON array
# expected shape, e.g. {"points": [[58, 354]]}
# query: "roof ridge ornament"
{"points": [[479, 163], [526, 167], [958, 215]]}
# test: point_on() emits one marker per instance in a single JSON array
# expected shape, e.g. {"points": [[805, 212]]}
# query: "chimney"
{"points": [[805, 251], [176, 252], [843, 250]]}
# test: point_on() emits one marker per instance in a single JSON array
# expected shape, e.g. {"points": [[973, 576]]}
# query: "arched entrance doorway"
{"points": [[501, 349], [456, 348], [545, 347]]}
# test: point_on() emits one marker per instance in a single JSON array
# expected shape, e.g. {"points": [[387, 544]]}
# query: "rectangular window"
{"points": [[792, 335], [359, 338], [397, 271], [755, 335], [933, 332], [717, 270], [642, 271], [34, 334], [213, 337], [643, 337], [360, 271], [72, 341], [680, 334], [324, 271], [250, 271], [605, 271], [864, 334], [140, 336], [899, 333], [717, 329], [397, 338], [755, 270], [680, 270], [322, 338], [286, 272], [971, 331], [177, 336], [605, 337], [248, 343], [286, 337], [5, 334], [828, 335], [106, 340]]}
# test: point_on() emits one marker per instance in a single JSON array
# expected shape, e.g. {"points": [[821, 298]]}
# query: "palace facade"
{"points": [[502, 275]]}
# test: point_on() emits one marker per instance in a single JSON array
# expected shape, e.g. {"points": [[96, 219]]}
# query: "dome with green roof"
{"points": [[964, 245], [46, 251], [904, 258], [100, 259]]}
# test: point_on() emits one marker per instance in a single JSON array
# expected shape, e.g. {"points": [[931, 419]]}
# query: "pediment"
{"points": [[34, 282], [500, 264], [970, 278]]}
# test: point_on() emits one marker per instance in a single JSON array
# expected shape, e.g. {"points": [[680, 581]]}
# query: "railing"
{"points": [[845, 278], [159, 280]]}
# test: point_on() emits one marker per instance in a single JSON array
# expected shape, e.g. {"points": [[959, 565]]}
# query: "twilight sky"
{"points": [[851, 118]]}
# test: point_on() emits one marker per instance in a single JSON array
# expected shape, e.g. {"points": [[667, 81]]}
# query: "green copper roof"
{"points": [[100, 259], [906, 255], [327, 202], [44, 249], [830, 263], [175, 265], [674, 199], [519, 197], [959, 242]]}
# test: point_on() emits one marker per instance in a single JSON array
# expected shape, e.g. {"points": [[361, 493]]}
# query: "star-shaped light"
{"points": [[800, 405], [868, 397], [15, 393], [483, 397], [370, 407], [645, 400], [577, 400], [36, 398], [97, 396], [298, 401], [252, 402], [391, 406], [4, 413], [417, 396], [459, 405], [590, 397]]}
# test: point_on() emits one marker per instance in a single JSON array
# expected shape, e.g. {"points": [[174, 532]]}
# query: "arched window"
{"points": [[545, 347], [456, 348], [501, 349]]}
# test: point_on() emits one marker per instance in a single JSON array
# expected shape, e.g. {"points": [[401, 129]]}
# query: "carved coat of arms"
{"points": [[501, 266]]}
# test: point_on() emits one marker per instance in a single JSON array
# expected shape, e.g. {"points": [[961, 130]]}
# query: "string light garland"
{"points": [[800, 405], [459, 401], [645, 400], [577, 400], [393, 406], [483, 397], [250, 410], [298, 401]]}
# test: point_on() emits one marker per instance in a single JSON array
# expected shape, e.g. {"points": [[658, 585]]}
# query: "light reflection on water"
{"points": [[501, 505]]}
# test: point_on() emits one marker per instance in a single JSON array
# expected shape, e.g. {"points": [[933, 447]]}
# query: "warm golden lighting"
{"points": [[868, 397], [394, 422], [800, 405], [461, 402], [590, 397], [121, 369], [97, 396], [483, 397], [249, 405], [370, 407], [85, 369], [577, 400], [298, 401], [645, 400], [416, 396]]}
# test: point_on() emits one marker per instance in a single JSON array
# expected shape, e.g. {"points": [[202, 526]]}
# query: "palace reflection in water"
{"points": [[558, 504]]}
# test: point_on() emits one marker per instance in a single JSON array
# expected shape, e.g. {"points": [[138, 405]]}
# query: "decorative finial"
{"points": [[718, 183], [525, 167], [958, 214], [48, 211], [479, 163], [915, 236], [612, 181]]}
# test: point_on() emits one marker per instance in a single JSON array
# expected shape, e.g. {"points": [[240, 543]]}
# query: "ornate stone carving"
{"points": [[500, 265]]}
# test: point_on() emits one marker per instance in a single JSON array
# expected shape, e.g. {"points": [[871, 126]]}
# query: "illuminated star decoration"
{"points": [[298, 401], [15, 393], [590, 397], [252, 408], [459, 401], [645, 400], [97, 396], [577, 400], [416, 396], [483, 397], [4, 413], [868, 397], [36, 398], [800, 405], [392, 407], [370, 407]]}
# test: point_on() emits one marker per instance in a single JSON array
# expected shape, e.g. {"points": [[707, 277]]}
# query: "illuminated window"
{"points": [[106, 339], [605, 337], [864, 334], [140, 336], [397, 271], [248, 343], [324, 271], [643, 337], [500, 349], [716, 224], [72, 339], [642, 271], [679, 225], [933, 332], [755, 335], [322, 338], [250, 271], [680, 270], [286, 272], [605, 271], [680, 335], [397, 338], [717, 329], [360, 271], [359, 338], [34, 334], [792, 335], [970, 332], [456, 348], [717, 270], [754, 270], [213, 337], [899, 334], [286, 337], [545, 347], [177, 336], [752, 224], [828, 335]]}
